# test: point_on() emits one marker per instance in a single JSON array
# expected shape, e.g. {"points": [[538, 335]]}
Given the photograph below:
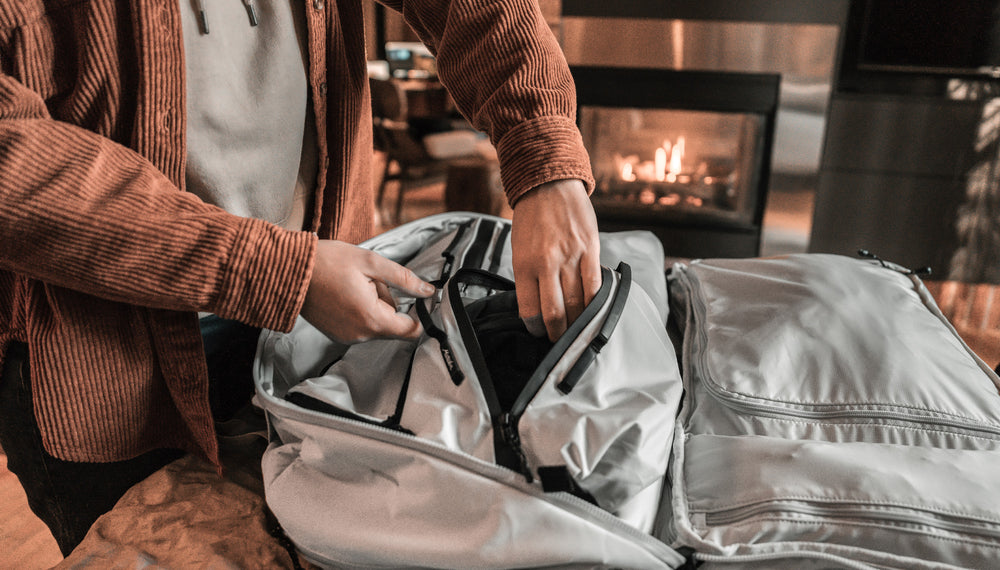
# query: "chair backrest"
{"points": [[388, 100], [391, 130]]}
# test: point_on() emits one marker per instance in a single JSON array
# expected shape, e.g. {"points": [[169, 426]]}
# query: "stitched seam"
{"points": [[779, 518], [851, 501]]}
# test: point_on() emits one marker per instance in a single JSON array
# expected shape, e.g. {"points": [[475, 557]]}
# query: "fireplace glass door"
{"points": [[683, 154], [674, 164]]}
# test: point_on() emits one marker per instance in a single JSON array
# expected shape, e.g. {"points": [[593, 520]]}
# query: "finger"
{"points": [[384, 294], [529, 308], [553, 309], [395, 275], [590, 273], [572, 292]]}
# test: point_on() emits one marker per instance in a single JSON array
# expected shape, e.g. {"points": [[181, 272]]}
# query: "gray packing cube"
{"points": [[831, 413], [823, 414]]}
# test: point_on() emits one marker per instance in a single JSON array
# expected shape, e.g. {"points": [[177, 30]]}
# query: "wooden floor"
{"points": [[25, 543]]}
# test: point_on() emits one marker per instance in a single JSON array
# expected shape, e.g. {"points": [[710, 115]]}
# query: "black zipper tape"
{"points": [[506, 437], [394, 421], [315, 404], [477, 277], [507, 446], [506, 441], [449, 254], [601, 338], [557, 351]]}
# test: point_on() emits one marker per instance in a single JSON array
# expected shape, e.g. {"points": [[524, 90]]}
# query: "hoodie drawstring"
{"points": [[251, 11], [203, 16]]}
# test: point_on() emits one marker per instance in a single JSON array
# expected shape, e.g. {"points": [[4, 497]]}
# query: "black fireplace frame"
{"points": [[688, 90]]}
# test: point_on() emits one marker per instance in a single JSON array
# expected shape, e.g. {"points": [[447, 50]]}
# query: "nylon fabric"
{"points": [[824, 415], [379, 480], [380, 489], [830, 412], [830, 334]]}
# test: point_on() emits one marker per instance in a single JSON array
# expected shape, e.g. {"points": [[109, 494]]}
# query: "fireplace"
{"points": [[684, 154]]}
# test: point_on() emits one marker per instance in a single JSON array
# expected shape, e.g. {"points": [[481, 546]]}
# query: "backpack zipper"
{"points": [[538, 377], [507, 425], [494, 471], [944, 521], [510, 432], [449, 253]]}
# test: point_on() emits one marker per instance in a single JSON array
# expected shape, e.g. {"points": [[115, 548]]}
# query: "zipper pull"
{"points": [[449, 261], [510, 436], [919, 272], [251, 11], [435, 332], [457, 376]]}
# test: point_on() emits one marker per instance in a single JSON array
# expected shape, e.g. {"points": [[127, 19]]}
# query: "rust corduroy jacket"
{"points": [[104, 259]]}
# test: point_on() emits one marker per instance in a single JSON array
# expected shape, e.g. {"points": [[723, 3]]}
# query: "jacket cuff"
{"points": [[544, 149], [267, 276]]}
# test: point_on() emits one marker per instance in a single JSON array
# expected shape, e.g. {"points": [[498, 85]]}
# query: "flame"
{"points": [[627, 173], [676, 154], [660, 164], [666, 166]]}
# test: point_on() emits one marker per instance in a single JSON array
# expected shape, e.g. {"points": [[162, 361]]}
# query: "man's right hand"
{"points": [[348, 297]]}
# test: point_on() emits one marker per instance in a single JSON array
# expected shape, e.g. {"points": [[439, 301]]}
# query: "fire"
{"points": [[660, 163], [676, 154], [627, 173], [667, 164]]}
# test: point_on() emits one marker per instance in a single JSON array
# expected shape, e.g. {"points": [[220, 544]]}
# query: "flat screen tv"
{"points": [[949, 37]]}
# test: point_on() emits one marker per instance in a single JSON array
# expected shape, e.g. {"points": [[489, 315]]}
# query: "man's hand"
{"points": [[557, 268], [348, 298]]}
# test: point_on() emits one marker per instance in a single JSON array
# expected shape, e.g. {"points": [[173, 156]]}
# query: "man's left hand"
{"points": [[556, 255]]}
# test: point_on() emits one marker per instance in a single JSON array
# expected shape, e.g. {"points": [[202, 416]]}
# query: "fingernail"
{"points": [[427, 289]]}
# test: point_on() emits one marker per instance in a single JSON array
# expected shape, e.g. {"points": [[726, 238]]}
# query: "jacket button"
{"points": [[322, 89], [318, 4]]}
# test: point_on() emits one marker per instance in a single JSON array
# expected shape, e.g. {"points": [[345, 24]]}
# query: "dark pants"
{"points": [[69, 496]]}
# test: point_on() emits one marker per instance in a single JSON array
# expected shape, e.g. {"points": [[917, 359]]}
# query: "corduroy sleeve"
{"points": [[507, 74], [80, 211]]}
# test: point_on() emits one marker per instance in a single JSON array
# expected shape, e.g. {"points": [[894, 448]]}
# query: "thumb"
{"points": [[396, 325]]}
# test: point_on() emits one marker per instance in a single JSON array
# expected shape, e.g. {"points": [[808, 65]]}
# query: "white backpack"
{"points": [[824, 414]]}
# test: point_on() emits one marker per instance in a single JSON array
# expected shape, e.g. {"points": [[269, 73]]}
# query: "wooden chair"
{"points": [[402, 148]]}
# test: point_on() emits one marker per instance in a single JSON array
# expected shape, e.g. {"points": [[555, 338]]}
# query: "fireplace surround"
{"points": [[684, 154]]}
